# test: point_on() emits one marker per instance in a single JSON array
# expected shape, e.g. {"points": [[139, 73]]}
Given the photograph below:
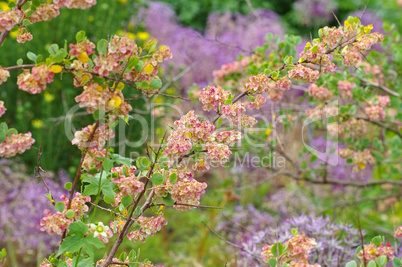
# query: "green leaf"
{"points": [[26, 22], [68, 185], [78, 228], [377, 241], [168, 201], [31, 56], [219, 123], [71, 244], [60, 206], [84, 262], [20, 62], [173, 178], [371, 264], [80, 36], [139, 66], [98, 114], [36, 3], [59, 56], [123, 256], [132, 63], [396, 262], [353, 110], [70, 214], [272, 262], [314, 49], [109, 190], [121, 160], [3, 253], [101, 46], [228, 102], [274, 249], [158, 179], [351, 264], [126, 200], [295, 232], [382, 260], [107, 164], [53, 48], [143, 163], [156, 83], [3, 136]]}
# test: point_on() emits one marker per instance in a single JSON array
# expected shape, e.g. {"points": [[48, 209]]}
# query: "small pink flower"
{"points": [[398, 232], [304, 74], [319, 93], [16, 143], [54, 224], [2, 108]]}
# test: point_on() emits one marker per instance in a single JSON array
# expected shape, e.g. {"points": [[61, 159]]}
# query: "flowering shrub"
{"points": [[104, 71]]}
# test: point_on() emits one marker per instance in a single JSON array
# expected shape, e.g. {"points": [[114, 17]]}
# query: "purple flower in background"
{"points": [[197, 55], [314, 12], [252, 229], [22, 202]]}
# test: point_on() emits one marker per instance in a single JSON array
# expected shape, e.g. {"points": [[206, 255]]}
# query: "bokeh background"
{"points": [[202, 35]]}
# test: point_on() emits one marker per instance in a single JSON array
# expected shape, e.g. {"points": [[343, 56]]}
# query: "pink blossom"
{"points": [[98, 140], [85, 46], [371, 252], [2, 108], [35, 82], [81, 4], [4, 74], [331, 36], [187, 192], [259, 101], [149, 226], [230, 68], [346, 88], [319, 93], [257, 84], [126, 181], [350, 57], [23, 37], [247, 121], [77, 204], [398, 232], [8, 19], [201, 165], [304, 74], [218, 153], [16, 143], [44, 12], [233, 112], [375, 113], [162, 54], [229, 138], [90, 162], [54, 224], [283, 84], [275, 94], [213, 97]]}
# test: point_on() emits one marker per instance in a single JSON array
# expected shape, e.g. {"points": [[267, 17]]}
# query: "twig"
{"points": [[38, 170]]}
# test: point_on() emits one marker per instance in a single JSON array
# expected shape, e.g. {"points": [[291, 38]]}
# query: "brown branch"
{"points": [[4, 34], [38, 170], [20, 67], [381, 125], [189, 205]]}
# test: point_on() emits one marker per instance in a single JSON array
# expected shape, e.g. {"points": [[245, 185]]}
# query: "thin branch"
{"points": [[38, 170], [20, 67]]}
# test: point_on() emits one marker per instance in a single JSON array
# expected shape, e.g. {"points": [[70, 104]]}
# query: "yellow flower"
{"points": [[158, 100], [115, 102], [56, 69], [99, 88], [119, 87], [361, 165], [148, 69], [143, 35], [170, 91], [83, 57], [37, 124], [131, 35], [4, 6], [188, 135], [268, 132], [14, 34], [48, 97]]}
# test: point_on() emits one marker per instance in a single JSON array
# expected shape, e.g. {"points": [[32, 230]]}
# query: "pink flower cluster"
{"points": [[201, 165], [98, 140], [355, 127], [81, 4], [77, 204], [257, 84], [233, 112], [95, 97], [90, 162], [44, 12], [229, 138], [8, 19], [35, 82], [259, 101], [213, 97], [16, 143], [331, 36], [319, 56], [371, 252], [22, 37], [162, 54], [353, 54], [228, 69], [363, 157], [398, 232], [149, 226], [126, 181], [376, 110], [187, 191], [54, 224], [2, 108], [304, 74], [189, 128], [119, 50], [345, 153], [218, 153], [85, 46], [298, 248], [319, 92], [321, 113], [346, 88], [4, 74]]}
